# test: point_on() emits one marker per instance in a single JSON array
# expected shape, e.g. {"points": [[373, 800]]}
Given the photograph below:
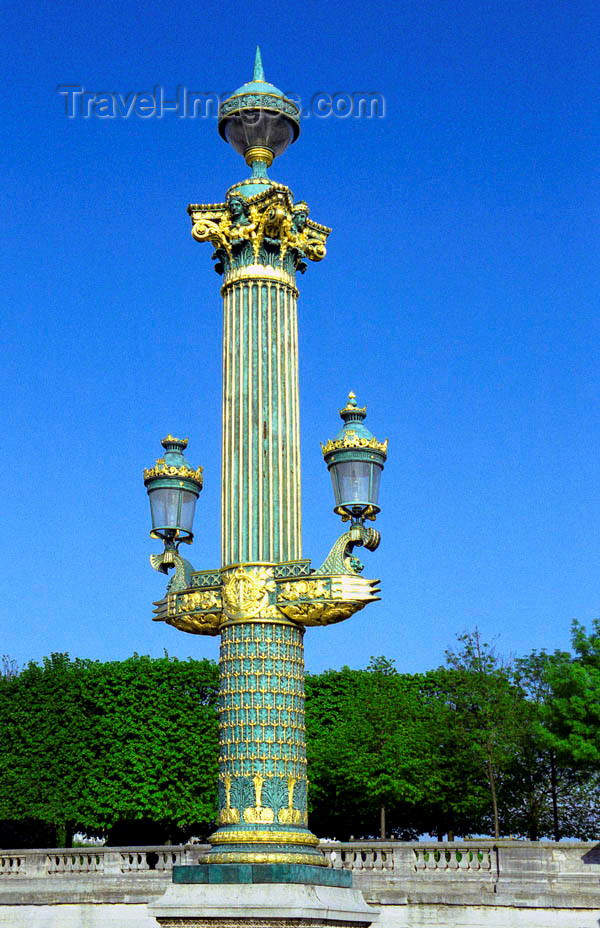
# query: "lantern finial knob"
{"points": [[170, 443], [352, 412]]}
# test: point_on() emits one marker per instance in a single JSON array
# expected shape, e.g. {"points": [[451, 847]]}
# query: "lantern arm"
{"points": [[340, 559], [200, 602], [169, 558]]}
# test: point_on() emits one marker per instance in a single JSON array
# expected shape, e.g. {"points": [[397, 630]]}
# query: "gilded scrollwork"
{"points": [[313, 614], [251, 593], [245, 591], [340, 559], [338, 591], [169, 558], [204, 623], [200, 600], [264, 837], [266, 229], [161, 469], [303, 589]]}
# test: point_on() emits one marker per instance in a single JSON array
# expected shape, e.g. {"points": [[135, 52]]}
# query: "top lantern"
{"points": [[257, 120]]}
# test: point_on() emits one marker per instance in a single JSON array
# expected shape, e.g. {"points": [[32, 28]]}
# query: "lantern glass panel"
{"points": [[250, 128], [375, 481], [164, 505], [188, 508], [353, 478]]}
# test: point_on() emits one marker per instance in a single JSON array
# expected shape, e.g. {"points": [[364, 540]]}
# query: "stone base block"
{"points": [[262, 905]]}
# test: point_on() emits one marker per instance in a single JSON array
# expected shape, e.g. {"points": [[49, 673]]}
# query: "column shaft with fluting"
{"points": [[261, 442]]}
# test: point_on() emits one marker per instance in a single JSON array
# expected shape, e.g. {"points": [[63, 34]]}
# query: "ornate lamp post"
{"points": [[265, 593]]}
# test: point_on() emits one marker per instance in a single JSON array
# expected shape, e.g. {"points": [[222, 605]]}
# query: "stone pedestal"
{"points": [[262, 896]]}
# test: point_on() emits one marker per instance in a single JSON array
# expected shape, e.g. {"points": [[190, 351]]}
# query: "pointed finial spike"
{"points": [[351, 399], [259, 74]]}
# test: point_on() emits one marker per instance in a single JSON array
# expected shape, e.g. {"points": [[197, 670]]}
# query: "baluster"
{"points": [[334, 859]]}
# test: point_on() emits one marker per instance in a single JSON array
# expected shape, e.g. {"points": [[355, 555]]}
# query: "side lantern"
{"points": [[355, 460], [173, 487]]}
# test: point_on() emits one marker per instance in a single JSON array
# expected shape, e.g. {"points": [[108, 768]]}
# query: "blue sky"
{"points": [[458, 299]]}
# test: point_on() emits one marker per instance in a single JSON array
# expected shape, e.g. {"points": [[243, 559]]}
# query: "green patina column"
{"points": [[264, 594], [261, 445]]}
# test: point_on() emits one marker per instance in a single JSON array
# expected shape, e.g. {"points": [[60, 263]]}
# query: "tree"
{"points": [[369, 753], [327, 696], [536, 776], [156, 743], [127, 746], [484, 701], [457, 799], [9, 669], [45, 750], [572, 714]]}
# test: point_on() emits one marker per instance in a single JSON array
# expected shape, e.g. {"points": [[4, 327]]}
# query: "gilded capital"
{"points": [[267, 229]]}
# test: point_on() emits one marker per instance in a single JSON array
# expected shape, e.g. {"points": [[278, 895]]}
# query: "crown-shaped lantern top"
{"points": [[174, 465], [354, 433]]}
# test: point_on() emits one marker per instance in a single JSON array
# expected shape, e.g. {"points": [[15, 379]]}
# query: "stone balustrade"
{"points": [[375, 862], [542, 883], [98, 861]]}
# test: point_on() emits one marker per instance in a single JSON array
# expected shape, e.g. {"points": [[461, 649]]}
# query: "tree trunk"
{"points": [[553, 787], [382, 824], [492, 780], [533, 820]]}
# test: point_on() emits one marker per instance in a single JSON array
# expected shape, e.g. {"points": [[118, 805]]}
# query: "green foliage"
{"points": [[129, 749], [97, 746], [368, 736], [457, 787], [572, 716], [46, 748], [487, 711], [462, 750]]}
